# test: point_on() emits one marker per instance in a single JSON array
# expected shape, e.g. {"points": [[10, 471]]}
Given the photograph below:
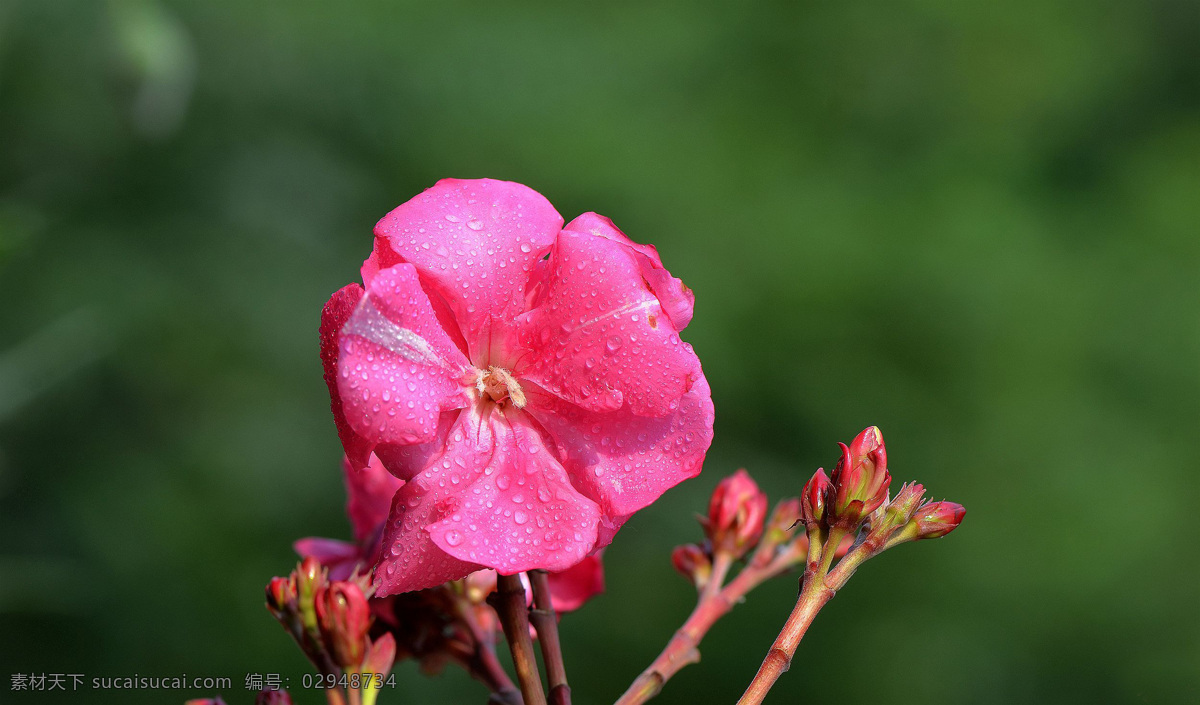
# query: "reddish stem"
{"points": [[779, 658], [546, 623], [683, 648], [509, 602], [819, 587]]}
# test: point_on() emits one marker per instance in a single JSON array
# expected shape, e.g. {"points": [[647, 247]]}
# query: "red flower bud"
{"points": [[735, 514], [308, 578], [860, 479], [813, 498], [344, 618], [936, 519], [281, 595], [693, 563]]}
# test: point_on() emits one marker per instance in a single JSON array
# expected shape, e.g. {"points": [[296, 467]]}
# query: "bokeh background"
{"points": [[975, 225]]}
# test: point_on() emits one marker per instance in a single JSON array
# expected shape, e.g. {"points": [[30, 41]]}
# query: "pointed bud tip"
{"points": [[936, 519]]}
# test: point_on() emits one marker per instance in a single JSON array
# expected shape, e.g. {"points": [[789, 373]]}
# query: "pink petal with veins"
{"points": [[398, 369], [335, 314], [677, 299], [410, 560], [598, 337], [522, 512], [475, 241], [622, 461]]}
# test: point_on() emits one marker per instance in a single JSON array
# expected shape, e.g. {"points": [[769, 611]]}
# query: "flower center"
{"points": [[498, 384]]}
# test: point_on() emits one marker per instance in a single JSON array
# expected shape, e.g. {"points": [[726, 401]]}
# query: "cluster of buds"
{"points": [[331, 621], [857, 497], [737, 523]]}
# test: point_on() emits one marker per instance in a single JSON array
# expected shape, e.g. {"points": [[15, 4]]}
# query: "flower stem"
{"points": [[819, 587], [779, 658], [546, 623], [683, 649], [510, 606]]}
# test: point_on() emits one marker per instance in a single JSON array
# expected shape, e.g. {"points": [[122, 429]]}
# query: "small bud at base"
{"points": [[692, 562], [813, 498]]}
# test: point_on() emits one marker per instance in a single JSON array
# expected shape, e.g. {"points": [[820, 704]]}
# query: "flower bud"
{"points": [[693, 563], [308, 578], [860, 480], [904, 505], [813, 498], [783, 519], [936, 519], [735, 514], [344, 618], [930, 521], [281, 596]]}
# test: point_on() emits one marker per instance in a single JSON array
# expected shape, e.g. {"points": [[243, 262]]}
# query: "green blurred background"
{"points": [[975, 225]]}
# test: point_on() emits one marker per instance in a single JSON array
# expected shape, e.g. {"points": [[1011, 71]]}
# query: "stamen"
{"points": [[498, 384]]}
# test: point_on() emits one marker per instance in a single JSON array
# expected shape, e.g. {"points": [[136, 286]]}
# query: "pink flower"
{"points": [[525, 380]]}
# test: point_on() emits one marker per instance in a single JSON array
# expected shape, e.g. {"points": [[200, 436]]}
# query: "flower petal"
{"points": [[676, 298], [340, 557], [522, 513], [369, 494], [335, 314], [409, 559], [623, 461], [476, 241], [398, 369], [405, 461], [596, 334], [570, 588]]}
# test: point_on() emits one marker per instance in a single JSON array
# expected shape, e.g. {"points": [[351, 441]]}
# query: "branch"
{"points": [[683, 649], [546, 623], [509, 602]]}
